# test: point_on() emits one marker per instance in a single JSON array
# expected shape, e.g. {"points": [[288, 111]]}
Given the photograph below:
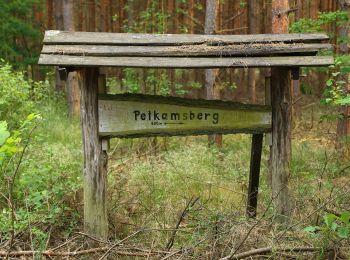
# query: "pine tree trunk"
{"points": [[58, 11], [73, 94], [212, 91], [343, 127], [253, 28]]}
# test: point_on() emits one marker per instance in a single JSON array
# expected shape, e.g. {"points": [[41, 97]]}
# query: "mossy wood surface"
{"points": [[200, 50], [188, 62], [66, 37], [142, 115], [77, 49]]}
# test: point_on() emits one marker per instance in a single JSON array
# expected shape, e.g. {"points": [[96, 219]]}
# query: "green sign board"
{"points": [[130, 115]]}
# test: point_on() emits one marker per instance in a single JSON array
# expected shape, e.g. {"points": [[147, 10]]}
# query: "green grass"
{"points": [[149, 185]]}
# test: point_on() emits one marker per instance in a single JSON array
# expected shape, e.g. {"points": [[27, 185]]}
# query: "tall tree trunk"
{"points": [[171, 29], [343, 127], [281, 121], [58, 11], [212, 91], [104, 20], [253, 28], [49, 14], [73, 95]]}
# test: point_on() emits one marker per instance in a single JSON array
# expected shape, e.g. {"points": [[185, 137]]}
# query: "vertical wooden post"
{"points": [[281, 140], [255, 159], [95, 159], [268, 136], [281, 102]]}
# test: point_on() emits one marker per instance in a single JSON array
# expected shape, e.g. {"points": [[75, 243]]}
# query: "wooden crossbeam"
{"points": [[202, 50], [180, 62], [100, 38]]}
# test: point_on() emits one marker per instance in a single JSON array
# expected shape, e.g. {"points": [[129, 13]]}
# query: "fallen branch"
{"points": [[51, 253], [269, 250], [189, 205], [118, 243]]}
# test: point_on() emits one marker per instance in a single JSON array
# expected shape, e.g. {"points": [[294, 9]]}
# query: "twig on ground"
{"points": [[50, 253], [118, 243], [93, 238], [306, 217], [65, 243], [172, 254], [248, 233], [268, 250], [189, 205]]}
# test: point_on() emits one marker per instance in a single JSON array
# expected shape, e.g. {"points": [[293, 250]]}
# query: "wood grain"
{"points": [[177, 62], [95, 160], [65, 37], [187, 50]]}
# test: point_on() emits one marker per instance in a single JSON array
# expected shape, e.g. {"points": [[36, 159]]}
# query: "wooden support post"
{"points": [[255, 159], [95, 160], [102, 89], [281, 140]]}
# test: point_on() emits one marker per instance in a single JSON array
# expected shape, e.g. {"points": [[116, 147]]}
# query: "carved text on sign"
{"points": [[140, 115]]}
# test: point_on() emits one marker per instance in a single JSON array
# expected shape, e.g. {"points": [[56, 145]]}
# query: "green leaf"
{"points": [[334, 226], [343, 232], [4, 134], [343, 101], [329, 82], [311, 229], [345, 217], [329, 219]]}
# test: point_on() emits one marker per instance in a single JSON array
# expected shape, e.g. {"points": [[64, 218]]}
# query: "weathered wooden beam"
{"points": [[100, 38], [254, 174], [281, 101], [202, 50], [141, 115], [95, 160], [195, 62]]}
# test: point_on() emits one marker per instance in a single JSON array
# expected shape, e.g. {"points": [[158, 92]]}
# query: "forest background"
{"points": [[168, 195]]}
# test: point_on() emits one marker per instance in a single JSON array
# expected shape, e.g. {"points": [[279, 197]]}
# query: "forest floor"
{"points": [[172, 198]]}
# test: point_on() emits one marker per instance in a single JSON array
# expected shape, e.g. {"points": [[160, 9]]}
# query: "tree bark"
{"points": [[281, 102], [49, 14], [253, 28], [95, 159], [212, 91], [343, 127], [58, 12], [72, 79]]}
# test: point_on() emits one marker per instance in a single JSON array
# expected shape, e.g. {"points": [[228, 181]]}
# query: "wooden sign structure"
{"points": [[132, 116]]}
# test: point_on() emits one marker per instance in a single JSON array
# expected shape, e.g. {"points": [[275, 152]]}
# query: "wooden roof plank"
{"points": [[99, 38], [181, 62], [186, 50]]}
